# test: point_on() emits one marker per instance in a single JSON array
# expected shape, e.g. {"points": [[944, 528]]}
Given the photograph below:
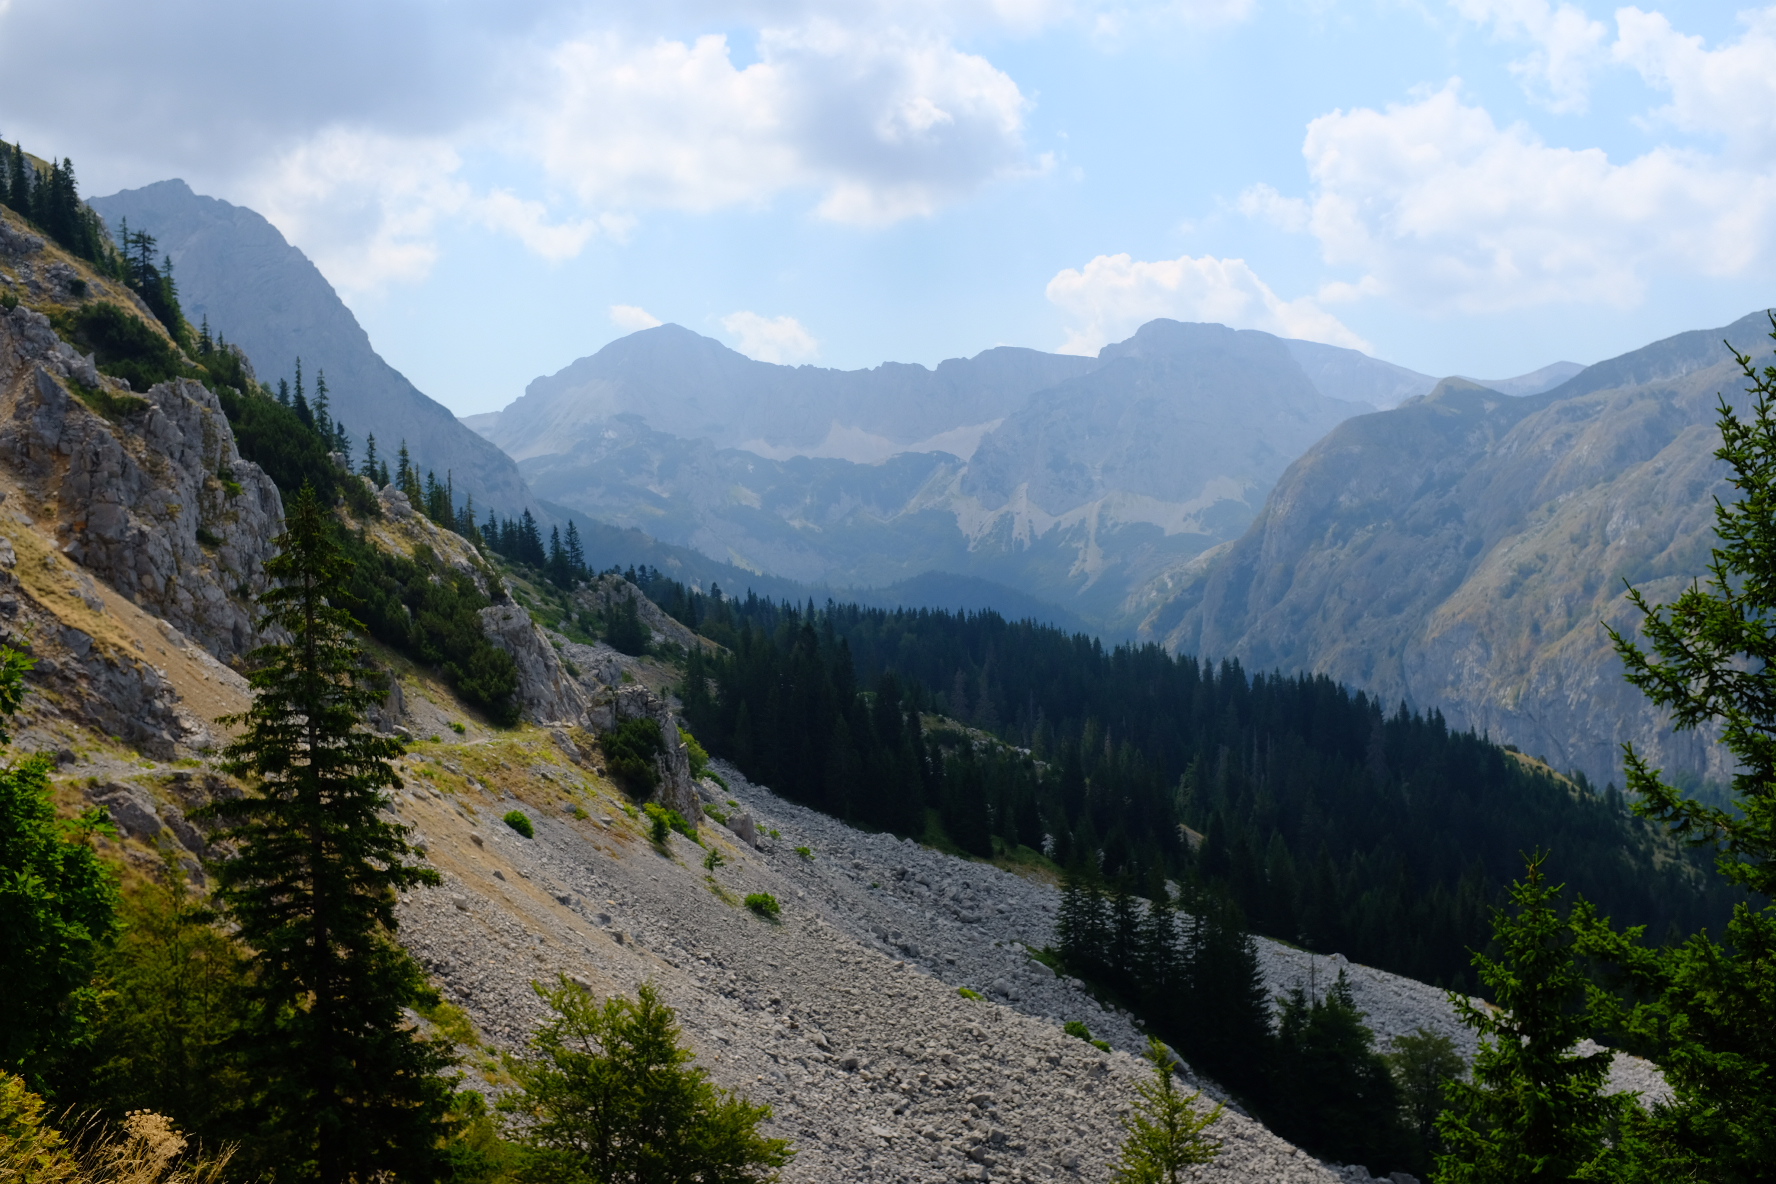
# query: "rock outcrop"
{"points": [[546, 693], [156, 501], [600, 594]]}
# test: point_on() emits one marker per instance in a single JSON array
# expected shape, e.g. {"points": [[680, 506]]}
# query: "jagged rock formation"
{"points": [[545, 692], [602, 592], [266, 297], [1459, 552], [132, 498]]}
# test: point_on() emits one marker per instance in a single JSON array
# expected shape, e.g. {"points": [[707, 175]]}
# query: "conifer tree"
{"points": [[369, 468], [323, 414], [1534, 1109], [1705, 1010], [345, 1088], [18, 188], [576, 554], [1165, 1129]]}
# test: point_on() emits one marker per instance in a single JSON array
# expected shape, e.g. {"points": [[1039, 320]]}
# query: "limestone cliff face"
{"points": [[1460, 552], [156, 501]]}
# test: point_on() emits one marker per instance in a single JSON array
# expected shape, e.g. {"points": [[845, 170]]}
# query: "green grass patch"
{"points": [[968, 994]]}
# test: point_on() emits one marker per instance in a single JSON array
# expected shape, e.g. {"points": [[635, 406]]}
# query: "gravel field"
{"points": [[845, 1014]]}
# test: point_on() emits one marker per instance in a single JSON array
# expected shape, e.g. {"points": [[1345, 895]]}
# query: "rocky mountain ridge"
{"points": [[1460, 552], [235, 269]]}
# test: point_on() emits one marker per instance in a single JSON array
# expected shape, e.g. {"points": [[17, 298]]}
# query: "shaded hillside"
{"points": [[264, 295], [1459, 551]]}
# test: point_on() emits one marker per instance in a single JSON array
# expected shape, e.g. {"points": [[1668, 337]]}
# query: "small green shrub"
{"points": [[806, 853], [457, 727], [718, 815], [664, 821], [1077, 1030], [699, 756], [519, 821], [764, 904], [630, 753], [580, 813], [1101, 1045], [774, 834], [717, 778], [713, 860], [208, 537], [968, 994]]}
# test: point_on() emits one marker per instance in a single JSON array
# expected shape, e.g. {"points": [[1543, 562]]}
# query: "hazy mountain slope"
{"points": [[1083, 489], [1459, 551], [692, 386], [1349, 374], [265, 296]]}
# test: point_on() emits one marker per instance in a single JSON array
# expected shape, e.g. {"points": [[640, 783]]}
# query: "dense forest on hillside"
{"points": [[1333, 821]]}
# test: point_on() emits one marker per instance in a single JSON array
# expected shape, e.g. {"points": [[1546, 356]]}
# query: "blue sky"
{"points": [[1460, 186]]}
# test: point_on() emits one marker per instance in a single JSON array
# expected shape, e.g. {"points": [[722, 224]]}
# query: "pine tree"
{"points": [[1706, 1010], [576, 554], [370, 468], [1331, 1090], [346, 1089], [1534, 1109], [18, 188], [1165, 1129], [323, 414]]}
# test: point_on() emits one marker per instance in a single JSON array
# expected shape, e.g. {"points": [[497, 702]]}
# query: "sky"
{"points": [[498, 187]]}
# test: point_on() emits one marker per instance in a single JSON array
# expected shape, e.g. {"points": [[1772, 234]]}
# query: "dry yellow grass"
{"points": [[146, 1148]]}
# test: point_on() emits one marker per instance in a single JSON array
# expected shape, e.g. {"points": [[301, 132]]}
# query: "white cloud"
{"points": [[362, 205], [1442, 207], [1114, 295], [1728, 92], [1568, 46], [777, 339], [883, 124], [367, 207], [528, 221], [1266, 204], [632, 318]]}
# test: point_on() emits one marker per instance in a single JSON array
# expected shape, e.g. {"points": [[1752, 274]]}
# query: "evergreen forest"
{"points": [[1331, 821]]}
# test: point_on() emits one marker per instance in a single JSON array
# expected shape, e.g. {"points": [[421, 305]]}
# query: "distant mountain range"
{"points": [[1461, 550], [264, 295], [1077, 480]]}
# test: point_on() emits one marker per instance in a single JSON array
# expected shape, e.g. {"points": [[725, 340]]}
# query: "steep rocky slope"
{"points": [[264, 295], [1460, 551]]}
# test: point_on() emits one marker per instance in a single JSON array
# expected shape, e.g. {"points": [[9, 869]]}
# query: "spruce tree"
{"points": [[576, 553], [323, 413], [369, 468], [1165, 1128], [1705, 1010], [1534, 1109], [345, 1088]]}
